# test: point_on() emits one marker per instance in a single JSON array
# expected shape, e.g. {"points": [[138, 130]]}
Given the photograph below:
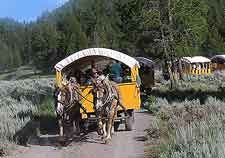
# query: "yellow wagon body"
{"points": [[130, 98]]}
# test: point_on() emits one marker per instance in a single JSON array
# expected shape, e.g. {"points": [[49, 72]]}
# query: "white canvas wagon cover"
{"points": [[129, 61], [196, 59]]}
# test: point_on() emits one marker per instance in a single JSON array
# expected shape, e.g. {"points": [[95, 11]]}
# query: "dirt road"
{"points": [[125, 144]]}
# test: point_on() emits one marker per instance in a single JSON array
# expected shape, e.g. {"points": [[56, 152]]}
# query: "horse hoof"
{"points": [[107, 141], [103, 137], [62, 140]]}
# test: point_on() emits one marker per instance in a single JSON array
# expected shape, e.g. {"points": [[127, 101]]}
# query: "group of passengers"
{"points": [[115, 70], [199, 66]]}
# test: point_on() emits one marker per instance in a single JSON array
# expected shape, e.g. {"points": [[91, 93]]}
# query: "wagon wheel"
{"points": [[117, 123], [129, 122]]}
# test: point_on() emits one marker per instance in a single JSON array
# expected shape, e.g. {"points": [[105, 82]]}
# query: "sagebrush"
{"points": [[19, 102]]}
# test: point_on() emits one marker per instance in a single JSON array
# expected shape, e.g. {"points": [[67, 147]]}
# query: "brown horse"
{"points": [[67, 106], [107, 99]]}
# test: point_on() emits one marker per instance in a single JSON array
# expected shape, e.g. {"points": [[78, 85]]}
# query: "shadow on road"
{"points": [[48, 128]]}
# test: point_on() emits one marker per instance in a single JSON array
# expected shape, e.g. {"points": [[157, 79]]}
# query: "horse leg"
{"points": [[110, 120], [76, 126], [109, 125], [108, 131], [100, 126], [115, 115], [100, 123], [61, 134], [76, 121], [104, 130]]}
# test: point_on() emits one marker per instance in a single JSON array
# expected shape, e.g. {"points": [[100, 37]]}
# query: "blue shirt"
{"points": [[116, 69]]}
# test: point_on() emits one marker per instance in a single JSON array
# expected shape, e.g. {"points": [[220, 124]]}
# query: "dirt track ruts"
{"points": [[125, 144]]}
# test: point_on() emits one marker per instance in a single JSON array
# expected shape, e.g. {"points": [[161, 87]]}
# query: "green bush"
{"points": [[46, 108], [192, 130], [19, 101], [150, 104]]}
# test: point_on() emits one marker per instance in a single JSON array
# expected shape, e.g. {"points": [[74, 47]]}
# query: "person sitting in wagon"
{"points": [[92, 74], [116, 71], [126, 75]]}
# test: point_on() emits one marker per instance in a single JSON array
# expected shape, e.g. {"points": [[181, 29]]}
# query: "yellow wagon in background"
{"points": [[80, 63], [197, 65]]}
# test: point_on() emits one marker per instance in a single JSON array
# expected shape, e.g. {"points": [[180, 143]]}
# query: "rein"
{"points": [[84, 97], [72, 104]]}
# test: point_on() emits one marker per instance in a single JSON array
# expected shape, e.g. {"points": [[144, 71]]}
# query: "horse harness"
{"points": [[100, 89], [74, 98]]}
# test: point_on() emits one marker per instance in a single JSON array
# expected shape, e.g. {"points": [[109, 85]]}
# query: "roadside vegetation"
{"points": [[23, 72], [189, 120], [21, 102]]}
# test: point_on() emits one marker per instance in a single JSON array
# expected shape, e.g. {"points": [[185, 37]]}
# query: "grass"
{"points": [[193, 131], [24, 72], [20, 102], [190, 129], [189, 120], [45, 109]]}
